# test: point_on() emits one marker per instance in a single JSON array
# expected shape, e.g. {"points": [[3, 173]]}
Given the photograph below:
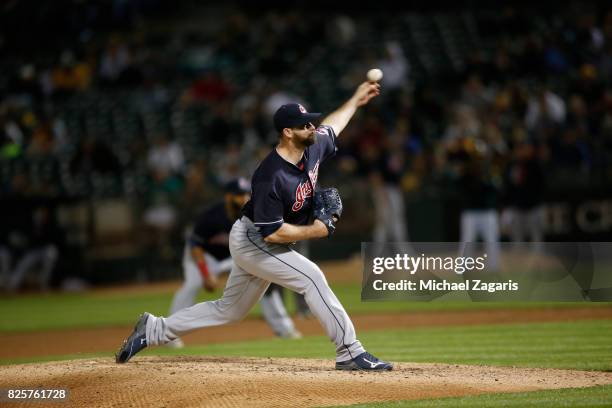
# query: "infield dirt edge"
{"points": [[270, 382]]}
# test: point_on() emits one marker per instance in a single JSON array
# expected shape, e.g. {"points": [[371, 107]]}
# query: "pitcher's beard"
{"points": [[308, 141]]}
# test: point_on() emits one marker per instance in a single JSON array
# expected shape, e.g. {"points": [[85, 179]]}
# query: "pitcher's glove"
{"points": [[328, 208]]}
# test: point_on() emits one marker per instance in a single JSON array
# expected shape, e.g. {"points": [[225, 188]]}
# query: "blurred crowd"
{"points": [[139, 106]]}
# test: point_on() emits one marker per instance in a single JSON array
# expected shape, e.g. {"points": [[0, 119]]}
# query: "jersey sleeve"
{"points": [[200, 234], [205, 227], [326, 139], [267, 208]]}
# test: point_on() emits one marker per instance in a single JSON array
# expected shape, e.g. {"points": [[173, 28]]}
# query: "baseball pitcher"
{"points": [[284, 208]]}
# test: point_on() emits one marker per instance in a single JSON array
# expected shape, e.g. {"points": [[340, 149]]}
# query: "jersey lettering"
{"points": [[302, 192]]}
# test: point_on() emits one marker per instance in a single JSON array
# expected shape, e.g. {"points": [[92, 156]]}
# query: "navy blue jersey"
{"points": [[282, 191], [211, 231]]}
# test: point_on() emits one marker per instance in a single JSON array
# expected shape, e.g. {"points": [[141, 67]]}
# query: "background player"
{"points": [[278, 214], [206, 256]]}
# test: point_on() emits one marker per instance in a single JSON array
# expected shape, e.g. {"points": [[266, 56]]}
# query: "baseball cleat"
{"points": [[136, 342], [365, 362], [292, 334], [176, 343]]}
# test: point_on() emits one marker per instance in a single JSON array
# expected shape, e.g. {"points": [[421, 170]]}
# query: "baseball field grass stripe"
{"points": [[600, 396], [581, 345], [64, 357], [585, 345], [95, 309]]}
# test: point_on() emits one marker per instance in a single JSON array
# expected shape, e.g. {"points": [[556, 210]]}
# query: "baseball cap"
{"points": [[292, 115], [237, 186]]}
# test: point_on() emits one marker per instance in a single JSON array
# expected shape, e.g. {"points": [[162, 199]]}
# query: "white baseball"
{"points": [[374, 75]]}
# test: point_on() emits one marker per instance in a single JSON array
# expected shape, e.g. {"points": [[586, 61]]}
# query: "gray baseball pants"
{"points": [[256, 264], [272, 306]]}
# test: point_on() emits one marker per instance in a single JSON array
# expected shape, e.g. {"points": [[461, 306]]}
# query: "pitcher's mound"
{"points": [[273, 382]]}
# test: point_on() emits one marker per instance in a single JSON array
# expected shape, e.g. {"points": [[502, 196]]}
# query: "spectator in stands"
{"points": [[491, 141], [396, 70], [11, 138], [395, 67], [114, 60], [578, 114], [166, 157], [42, 139], [465, 125], [370, 135], [503, 67], [475, 94], [554, 57], [8, 148], [25, 85], [70, 75], [544, 110], [210, 88], [342, 31]]}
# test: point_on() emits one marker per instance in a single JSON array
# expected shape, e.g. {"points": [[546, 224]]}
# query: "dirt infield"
{"points": [[274, 382], [105, 339]]}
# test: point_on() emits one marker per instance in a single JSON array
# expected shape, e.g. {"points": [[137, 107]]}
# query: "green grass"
{"points": [[572, 345], [600, 396], [93, 309], [585, 345]]}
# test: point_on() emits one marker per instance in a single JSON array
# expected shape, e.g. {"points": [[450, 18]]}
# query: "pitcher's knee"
{"points": [[315, 285], [229, 311], [190, 292], [315, 276]]}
